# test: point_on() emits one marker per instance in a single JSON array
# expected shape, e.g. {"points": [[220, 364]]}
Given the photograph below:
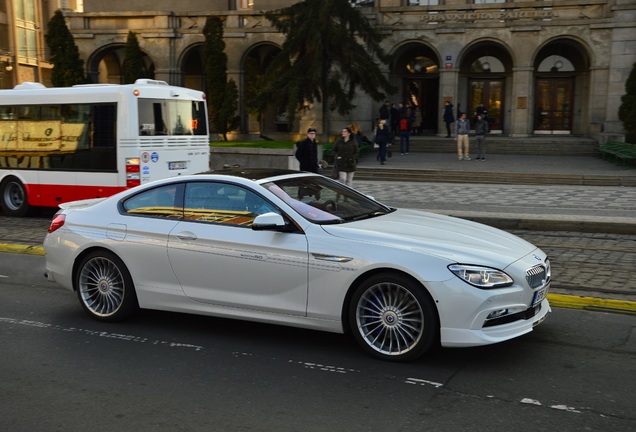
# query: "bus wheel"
{"points": [[13, 197]]}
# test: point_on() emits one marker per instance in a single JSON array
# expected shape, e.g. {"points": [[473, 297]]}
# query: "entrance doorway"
{"points": [[424, 93], [491, 93], [554, 105]]}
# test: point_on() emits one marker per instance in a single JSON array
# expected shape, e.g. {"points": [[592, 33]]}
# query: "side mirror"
{"points": [[268, 221]]}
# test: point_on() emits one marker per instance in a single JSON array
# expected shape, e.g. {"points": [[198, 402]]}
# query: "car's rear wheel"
{"points": [[13, 197], [105, 288], [393, 318]]}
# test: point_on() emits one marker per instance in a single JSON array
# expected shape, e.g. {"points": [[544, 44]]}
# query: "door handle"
{"points": [[186, 236]]}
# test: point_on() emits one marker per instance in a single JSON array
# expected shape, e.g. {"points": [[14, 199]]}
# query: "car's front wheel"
{"points": [[105, 288], [393, 318]]}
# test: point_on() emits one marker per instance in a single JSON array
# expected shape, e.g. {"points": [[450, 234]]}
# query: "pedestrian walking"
{"points": [[481, 109], [395, 120], [463, 129], [346, 152], [449, 118], [382, 140], [385, 111], [405, 134], [307, 152], [481, 129], [417, 123]]}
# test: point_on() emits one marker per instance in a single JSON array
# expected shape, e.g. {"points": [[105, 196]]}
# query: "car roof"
{"points": [[252, 173]]}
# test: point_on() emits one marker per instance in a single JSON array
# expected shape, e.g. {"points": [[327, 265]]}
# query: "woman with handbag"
{"points": [[382, 139], [346, 152]]}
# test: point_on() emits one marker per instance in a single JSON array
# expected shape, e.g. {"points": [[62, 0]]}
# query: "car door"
{"points": [[219, 259]]}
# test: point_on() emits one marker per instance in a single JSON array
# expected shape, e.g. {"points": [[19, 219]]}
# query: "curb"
{"points": [[22, 249], [592, 304], [556, 300]]}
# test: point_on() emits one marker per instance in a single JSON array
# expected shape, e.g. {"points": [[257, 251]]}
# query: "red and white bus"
{"points": [[91, 141]]}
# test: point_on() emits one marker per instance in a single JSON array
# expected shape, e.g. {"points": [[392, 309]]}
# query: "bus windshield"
{"points": [[171, 117]]}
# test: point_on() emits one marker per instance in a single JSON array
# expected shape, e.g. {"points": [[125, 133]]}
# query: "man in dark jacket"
{"points": [[307, 152], [449, 118]]}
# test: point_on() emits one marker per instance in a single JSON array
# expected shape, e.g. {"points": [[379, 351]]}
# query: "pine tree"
{"points": [[333, 50], [68, 67], [627, 110], [222, 95], [134, 67]]}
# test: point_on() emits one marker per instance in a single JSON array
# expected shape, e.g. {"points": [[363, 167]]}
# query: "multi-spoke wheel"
{"points": [[393, 318], [105, 288], [13, 197]]}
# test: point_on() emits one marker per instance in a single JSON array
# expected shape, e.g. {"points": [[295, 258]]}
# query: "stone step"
{"points": [[387, 174], [548, 146]]}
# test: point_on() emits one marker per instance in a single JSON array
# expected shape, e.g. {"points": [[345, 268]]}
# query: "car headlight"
{"points": [[481, 277]]}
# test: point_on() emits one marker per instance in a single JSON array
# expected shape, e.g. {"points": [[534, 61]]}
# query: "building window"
{"points": [[422, 65], [423, 2], [489, 1], [244, 4], [556, 63], [487, 64], [26, 31]]}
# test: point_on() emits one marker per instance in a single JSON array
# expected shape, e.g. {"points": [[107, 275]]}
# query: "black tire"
{"points": [[393, 318], [13, 197], [105, 288]]}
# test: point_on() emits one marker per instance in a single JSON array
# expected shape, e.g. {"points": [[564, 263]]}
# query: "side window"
{"points": [[223, 204], [158, 202]]}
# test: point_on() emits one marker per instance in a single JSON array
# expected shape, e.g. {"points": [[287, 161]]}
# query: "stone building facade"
{"points": [[540, 67]]}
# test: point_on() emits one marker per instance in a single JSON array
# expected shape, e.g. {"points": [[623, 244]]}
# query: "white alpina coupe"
{"points": [[302, 250]]}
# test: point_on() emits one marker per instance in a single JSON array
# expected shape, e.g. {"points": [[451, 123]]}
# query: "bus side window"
{"points": [[105, 125]]}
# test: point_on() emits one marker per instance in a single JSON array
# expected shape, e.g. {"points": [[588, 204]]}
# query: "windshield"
{"points": [[322, 200]]}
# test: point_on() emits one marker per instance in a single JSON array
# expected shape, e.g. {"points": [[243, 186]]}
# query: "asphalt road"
{"points": [[63, 371]]}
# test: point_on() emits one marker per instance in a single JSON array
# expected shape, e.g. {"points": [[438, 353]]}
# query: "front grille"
{"points": [[523, 315], [536, 276]]}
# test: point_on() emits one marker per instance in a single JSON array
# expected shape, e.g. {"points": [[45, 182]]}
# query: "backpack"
{"points": [[404, 125]]}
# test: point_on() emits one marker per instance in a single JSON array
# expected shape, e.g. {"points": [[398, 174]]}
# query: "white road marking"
{"points": [[103, 334], [418, 381], [557, 407]]}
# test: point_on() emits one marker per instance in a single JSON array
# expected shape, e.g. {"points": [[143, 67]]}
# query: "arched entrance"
{"points": [[417, 67], [486, 67], [559, 67], [192, 69], [106, 65], [263, 116]]}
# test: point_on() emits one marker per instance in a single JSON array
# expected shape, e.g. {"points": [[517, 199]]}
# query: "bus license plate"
{"points": [[177, 165], [539, 296]]}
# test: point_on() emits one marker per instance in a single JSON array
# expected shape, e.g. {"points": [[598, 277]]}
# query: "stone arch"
{"points": [[414, 70], [254, 63], [561, 88], [105, 65], [485, 76], [192, 67]]}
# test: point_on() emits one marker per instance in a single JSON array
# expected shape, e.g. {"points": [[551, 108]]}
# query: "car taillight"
{"points": [[57, 222], [132, 172]]}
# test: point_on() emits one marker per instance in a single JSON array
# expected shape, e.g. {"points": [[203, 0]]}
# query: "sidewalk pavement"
{"points": [[573, 208], [542, 206]]}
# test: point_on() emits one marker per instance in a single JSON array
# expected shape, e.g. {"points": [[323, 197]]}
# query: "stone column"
{"points": [[448, 82], [522, 102]]}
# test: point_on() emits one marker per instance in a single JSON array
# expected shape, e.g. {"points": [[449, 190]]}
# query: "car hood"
{"points": [[455, 239]]}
